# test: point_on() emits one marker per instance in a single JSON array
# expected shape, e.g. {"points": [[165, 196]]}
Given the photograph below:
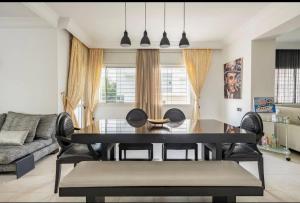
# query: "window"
{"points": [[79, 114], [117, 85], [287, 76], [287, 86], [174, 85]]}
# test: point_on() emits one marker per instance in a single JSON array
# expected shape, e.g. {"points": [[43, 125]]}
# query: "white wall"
{"points": [[29, 80], [240, 48]]}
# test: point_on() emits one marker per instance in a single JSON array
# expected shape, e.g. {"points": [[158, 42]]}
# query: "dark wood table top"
{"points": [[188, 131]]}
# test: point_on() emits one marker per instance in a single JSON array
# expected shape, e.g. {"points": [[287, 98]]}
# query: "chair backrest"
{"points": [[136, 117], [64, 128], [175, 115], [252, 122]]}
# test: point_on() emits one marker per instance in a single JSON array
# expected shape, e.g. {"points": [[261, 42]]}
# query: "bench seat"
{"points": [[145, 178]]}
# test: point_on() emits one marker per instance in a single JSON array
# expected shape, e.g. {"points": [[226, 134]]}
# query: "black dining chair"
{"points": [[136, 118], [251, 122], [176, 115], [71, 153]]}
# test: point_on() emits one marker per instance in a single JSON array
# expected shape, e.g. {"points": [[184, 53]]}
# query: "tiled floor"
{"points": [[282, 183]]}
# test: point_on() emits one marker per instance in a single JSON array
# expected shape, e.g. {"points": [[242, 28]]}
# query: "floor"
{"points": [[282, 182]]}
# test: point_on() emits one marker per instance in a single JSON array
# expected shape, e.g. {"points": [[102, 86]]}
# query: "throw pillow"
{"points": [[2, 119], [46, 126], [17, 122], [13, 137]]}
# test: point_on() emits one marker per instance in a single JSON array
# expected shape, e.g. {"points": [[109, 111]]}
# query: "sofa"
{"points": [[21, 158]]}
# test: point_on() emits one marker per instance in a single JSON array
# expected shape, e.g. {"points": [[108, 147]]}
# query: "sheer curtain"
{"points": [[76, 78], [197, 63], [148, 82], [95, 64]]}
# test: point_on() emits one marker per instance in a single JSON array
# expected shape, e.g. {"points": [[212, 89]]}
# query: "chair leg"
{"points": [[125, 156], [186, 154], [261, 171], [57, 175], [165, 154], [75, 164], [196, 153], [205, 152]]}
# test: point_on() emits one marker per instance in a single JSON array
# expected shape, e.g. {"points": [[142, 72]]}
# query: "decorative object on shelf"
{"points": [[125, 41], [164, 43], [184, 42], [264, 105], [145, 42], [233, 79]]}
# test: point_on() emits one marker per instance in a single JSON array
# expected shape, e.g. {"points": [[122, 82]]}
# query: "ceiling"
{"points": [[104, 22]]}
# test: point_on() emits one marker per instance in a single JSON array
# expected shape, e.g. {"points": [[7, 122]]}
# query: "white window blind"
{"points": [[174, 85], [287, 85], [117, 85]]}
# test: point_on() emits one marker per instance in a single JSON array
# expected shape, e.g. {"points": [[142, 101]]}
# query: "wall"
{"points": [[209, 97], [33, 64], [240, 48]]}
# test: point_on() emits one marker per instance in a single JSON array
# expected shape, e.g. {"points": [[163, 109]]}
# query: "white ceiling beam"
{"points": [[71, 26], [43, 11], [266, 21]]}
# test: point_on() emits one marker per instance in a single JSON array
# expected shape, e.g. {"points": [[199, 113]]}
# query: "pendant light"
{"points": [[164, 42], [145, 42], [125, 41], [184, 42]]}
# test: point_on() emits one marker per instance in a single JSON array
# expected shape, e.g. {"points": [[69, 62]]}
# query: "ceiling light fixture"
{"points": [[184, 42], [164, 42], [145, 42], [125, 41]]}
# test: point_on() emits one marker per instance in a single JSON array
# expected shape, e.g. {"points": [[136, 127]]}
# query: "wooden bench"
{"points": [[223, 180]]}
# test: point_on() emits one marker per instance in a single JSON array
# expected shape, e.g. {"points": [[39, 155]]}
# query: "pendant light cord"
{"points": [[164, 16], [145, 15], [184, 16], [125, 16]]}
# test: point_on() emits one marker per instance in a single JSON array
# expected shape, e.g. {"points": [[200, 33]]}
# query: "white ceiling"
{"points": [[104, 22]]}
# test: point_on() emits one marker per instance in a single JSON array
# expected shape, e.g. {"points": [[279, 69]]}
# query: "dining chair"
{"points": [[251, 122], [136, 118], [71, 153], [176, 115]]}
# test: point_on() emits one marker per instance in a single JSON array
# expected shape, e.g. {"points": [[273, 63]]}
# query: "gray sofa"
{"points": [[21, 159]]}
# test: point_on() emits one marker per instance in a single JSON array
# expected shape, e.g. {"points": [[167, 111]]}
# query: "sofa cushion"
{"points": [[2, 119], [16, 121], [46, 126], [13, 137], [9, 154]]}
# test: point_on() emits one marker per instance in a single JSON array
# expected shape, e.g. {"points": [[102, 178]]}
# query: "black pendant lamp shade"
{"points": [[125, 41], [145, 42], [184, 42], [164, 42]]}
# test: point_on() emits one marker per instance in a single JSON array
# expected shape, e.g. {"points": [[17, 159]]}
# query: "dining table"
{"points": [[109, 132]]}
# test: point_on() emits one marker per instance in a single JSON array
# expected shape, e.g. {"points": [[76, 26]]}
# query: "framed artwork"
{"points": [[264, 105], [233, 79]]}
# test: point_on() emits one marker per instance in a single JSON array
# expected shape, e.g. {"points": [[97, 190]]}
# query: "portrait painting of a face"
{"points": [[233, 79]]}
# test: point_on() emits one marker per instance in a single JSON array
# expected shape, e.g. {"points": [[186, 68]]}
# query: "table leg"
{"points": [[217, 155], [223, 199], [92, 198]]}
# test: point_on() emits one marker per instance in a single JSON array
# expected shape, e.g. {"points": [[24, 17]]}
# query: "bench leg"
{"points": [[91, 198], [205, 152], [224, 199]]}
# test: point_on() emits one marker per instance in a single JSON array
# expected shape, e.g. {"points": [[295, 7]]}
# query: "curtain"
{"points": [[76, 77], [148, 82], [287, 59], [197, 63], [95, 64]]}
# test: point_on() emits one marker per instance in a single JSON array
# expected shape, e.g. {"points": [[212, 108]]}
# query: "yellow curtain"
{"points": [[148, 82], [76, 78], [197, 63], [93, 77]]}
